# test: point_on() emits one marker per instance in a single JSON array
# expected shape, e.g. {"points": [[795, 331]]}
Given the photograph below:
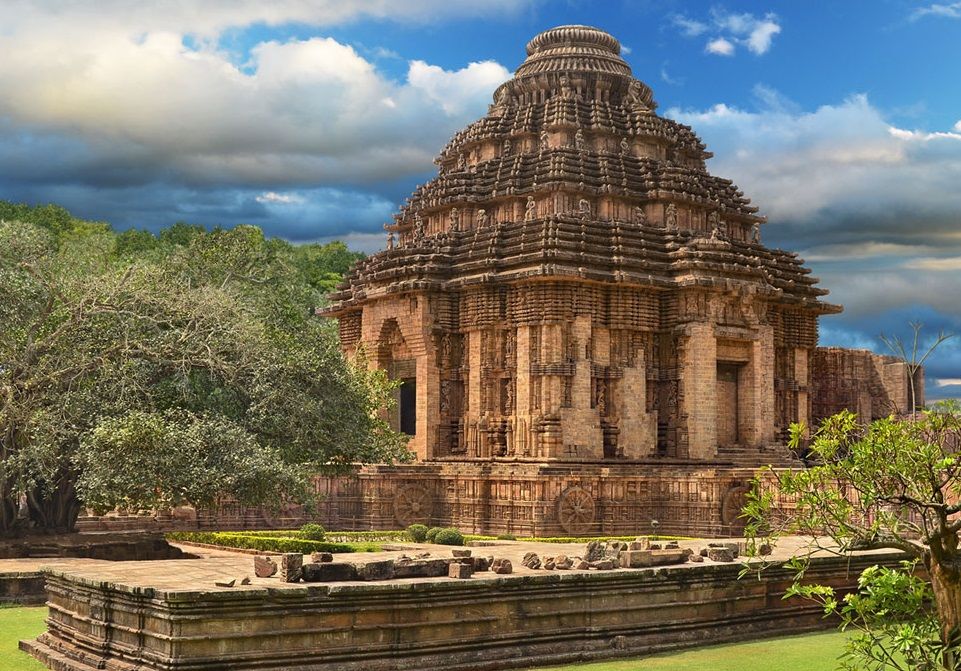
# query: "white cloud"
{"points": [[279, 198], [720, 47], [754, 33], [297, 112], [689, 27], [876, 207], [951, 11]]}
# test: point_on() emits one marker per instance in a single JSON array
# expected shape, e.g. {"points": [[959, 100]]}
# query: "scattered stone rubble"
{"points": [[598, 555]]}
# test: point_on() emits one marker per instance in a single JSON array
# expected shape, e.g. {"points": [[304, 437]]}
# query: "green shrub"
{"points": [[313, 532], [432, 534], [449, 537], [417, 532], [250, 541], [506, 537]]}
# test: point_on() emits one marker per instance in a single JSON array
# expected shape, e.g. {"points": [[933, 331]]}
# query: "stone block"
{"points": [[582, 565], [720, 554], [329, 572], [531, 560], [421, 568], [563, 562], [458, 570], [376, 570], [264, 567], [480, 564], [667, 557], [461, 553], [603, 565], [291, 564], [502, 566], [636, 558], [321, 557]]}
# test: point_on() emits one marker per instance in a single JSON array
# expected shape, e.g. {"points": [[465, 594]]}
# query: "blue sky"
{"points": [[315, 119]]}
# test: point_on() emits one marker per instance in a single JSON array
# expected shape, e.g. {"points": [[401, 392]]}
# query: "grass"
{"points": [[810, 652], [16, 624]]}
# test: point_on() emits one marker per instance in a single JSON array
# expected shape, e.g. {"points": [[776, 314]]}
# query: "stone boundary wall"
{"points": [[524, 499], [478, 624]]}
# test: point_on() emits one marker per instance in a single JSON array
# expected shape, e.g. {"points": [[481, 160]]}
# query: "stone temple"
{"points": [[589, 331]]}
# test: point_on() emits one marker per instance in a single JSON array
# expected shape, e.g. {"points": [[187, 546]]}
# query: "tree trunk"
{"points": [[55, 511], [946, 585]]}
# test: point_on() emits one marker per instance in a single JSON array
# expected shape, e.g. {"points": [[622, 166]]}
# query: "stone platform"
{"points": [[171, 616]]}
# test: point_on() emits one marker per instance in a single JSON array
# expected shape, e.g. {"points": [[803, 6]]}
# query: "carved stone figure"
{"points": [[461, 162], [638, 217], [756, 234], [584, 208], [531, 210], [507, 147], [670, 220], [625, 146], [580, 144], [454, 219], [545, 140], [390, 239], [481, 218], [419, 227]]}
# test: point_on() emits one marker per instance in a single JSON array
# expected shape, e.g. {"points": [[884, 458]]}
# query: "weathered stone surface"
{"points": [[549, 564], [720, 554], [290, 566], [329, 572], [635, 558], [264, 567], [603, 565], [502, 566], [421, 568], [583, 565], [461, 553], [480, 564], [458, 570], [594, 551], [376, 570], [531, 560], [321, 557], [696, 558], [563, 562]]}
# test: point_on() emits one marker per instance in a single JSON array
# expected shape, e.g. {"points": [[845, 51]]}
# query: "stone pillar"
{"points": [[522, 391], [699, 390], [580, 424], [638, 428], [758, 375], [802, 375]]}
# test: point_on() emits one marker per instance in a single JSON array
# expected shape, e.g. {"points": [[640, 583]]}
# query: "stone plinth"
{"points": [[488, 622]]}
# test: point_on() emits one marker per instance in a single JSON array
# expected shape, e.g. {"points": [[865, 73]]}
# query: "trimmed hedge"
{"points": [[449, 537], [417, 532], [432, 533], [251, 541], [313, 532]]}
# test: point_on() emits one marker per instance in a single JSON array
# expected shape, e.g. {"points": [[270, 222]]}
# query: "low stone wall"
{"points": [[22, 587], [483, 623]]}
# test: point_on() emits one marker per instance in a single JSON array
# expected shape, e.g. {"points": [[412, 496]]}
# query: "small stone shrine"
{"points": [[589, 331]]}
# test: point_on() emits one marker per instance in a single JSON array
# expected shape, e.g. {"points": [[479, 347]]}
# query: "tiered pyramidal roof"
{"points": [[572, 174]]}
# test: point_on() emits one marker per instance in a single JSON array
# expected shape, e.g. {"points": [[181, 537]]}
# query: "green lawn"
{"points": [[17, 624], [809, 652]]}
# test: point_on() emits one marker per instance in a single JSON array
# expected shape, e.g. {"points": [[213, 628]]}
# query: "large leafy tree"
{"points": [[149, 371], [893, 484]]}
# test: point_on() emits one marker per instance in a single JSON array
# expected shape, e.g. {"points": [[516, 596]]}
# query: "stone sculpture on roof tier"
{"points": [[622, 317]]}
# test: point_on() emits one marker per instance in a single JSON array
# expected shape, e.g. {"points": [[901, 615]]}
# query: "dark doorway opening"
{"points": [[727, 409], [408, 406]]}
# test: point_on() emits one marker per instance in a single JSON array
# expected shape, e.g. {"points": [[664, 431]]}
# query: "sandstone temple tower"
{"points": [[576, 303]]}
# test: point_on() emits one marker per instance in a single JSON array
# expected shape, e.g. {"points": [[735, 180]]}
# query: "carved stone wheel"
{"points": [[413, 504], [731, 505], [575, 511]]}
